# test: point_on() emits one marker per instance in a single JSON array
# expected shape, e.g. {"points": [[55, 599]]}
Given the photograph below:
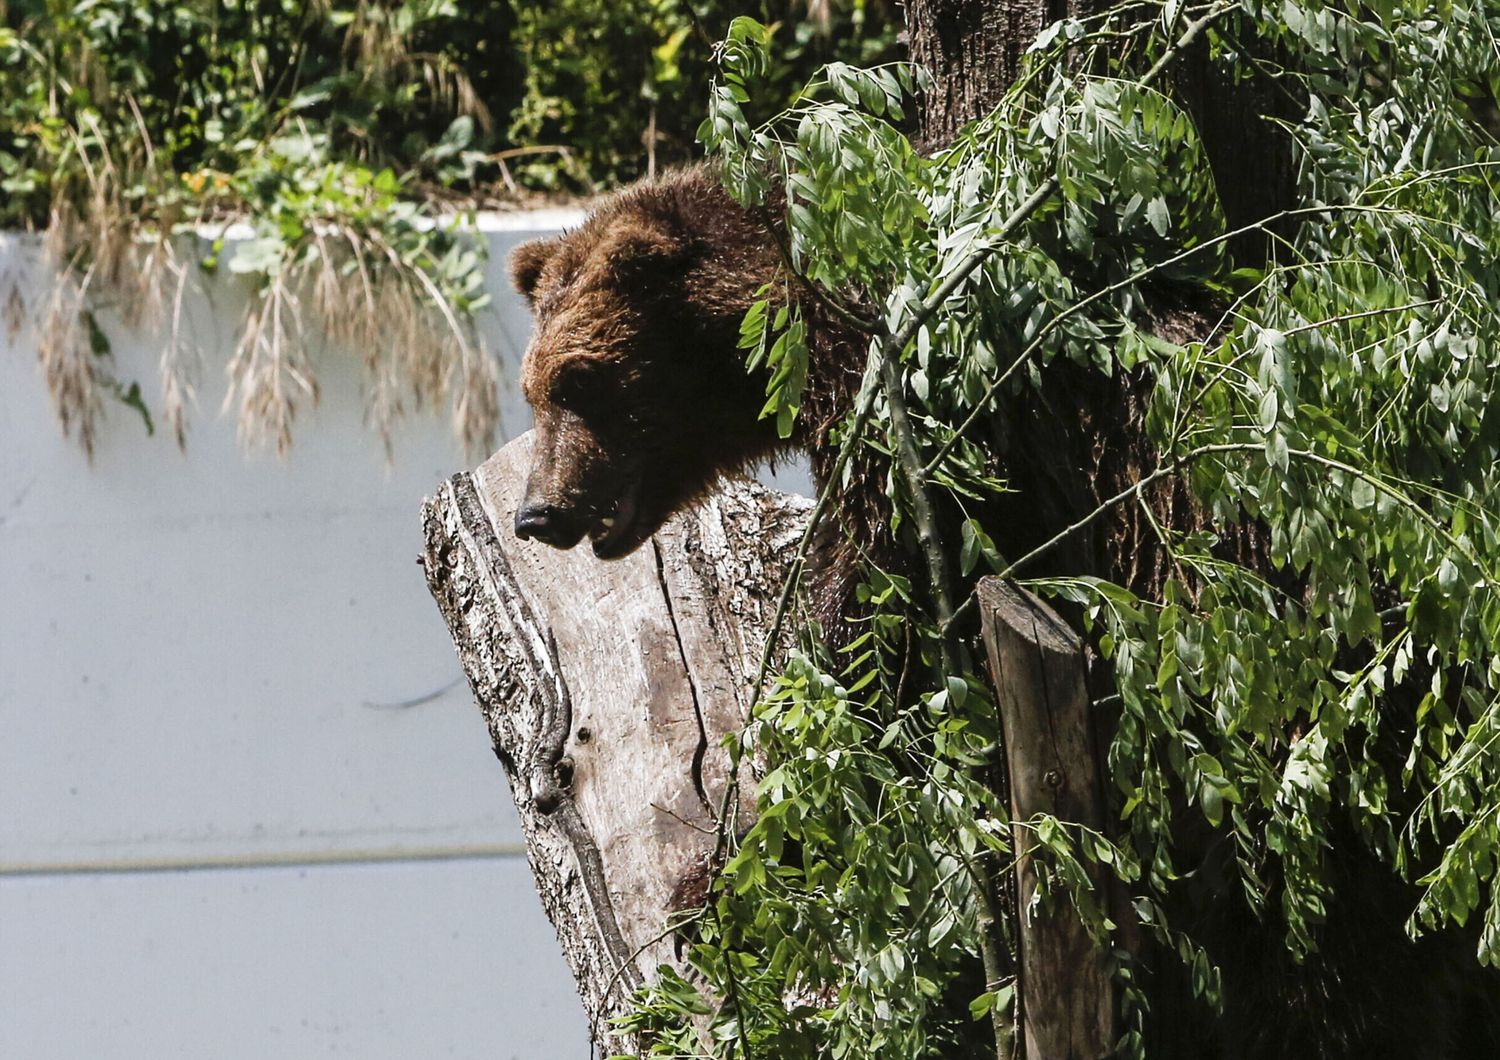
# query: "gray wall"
{"points": [[221, 834]]}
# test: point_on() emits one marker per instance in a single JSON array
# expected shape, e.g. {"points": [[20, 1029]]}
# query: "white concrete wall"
{"points": [[219, 834]]}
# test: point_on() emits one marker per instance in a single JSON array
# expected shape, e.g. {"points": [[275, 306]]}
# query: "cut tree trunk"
{"points": [[1067, 997], [609, 688]]}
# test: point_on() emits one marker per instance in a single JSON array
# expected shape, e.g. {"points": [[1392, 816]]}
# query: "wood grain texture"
{"points": [[1038, 666], [608, 688]]}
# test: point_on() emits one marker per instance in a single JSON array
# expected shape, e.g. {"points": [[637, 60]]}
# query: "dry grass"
{"points": [[181, 361], [66, 358], [355, 295], [417, 352]]}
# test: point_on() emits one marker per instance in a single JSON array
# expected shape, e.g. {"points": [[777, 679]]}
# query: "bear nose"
{"points": [[547, 524]]}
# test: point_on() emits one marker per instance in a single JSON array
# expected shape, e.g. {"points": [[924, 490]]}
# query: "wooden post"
{"points": [[1066, 998], [608, 688]]}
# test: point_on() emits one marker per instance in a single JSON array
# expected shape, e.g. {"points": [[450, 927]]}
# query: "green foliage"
{"points": [[1344, 402], [620, 84]]}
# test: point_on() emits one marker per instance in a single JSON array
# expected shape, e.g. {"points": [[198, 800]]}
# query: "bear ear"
{"points": [[527, 261], [640, 245]]}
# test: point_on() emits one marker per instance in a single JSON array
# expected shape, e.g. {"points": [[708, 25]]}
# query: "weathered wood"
{"points": [[1067, 1005], [608, 688]]}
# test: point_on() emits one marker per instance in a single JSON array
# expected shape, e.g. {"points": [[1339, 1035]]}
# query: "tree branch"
{"points": [[1104, 292], [891, 346], [1169, 468], [910, 462]]}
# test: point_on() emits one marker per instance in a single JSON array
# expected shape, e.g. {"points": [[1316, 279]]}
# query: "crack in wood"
{"points": [[1053, 776], [537, 644], [702, 749]]}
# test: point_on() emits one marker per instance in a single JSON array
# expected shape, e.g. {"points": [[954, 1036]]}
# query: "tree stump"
{"points": [[609, 688]]}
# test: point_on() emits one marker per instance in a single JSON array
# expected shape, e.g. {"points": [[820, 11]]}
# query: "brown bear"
{"points": [[639, 389], [642, 402]]}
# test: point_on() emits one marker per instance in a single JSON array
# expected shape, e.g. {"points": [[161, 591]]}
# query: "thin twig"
{"points": [[828, 301], [672, 928], [1171, 467], [1104, 292]]}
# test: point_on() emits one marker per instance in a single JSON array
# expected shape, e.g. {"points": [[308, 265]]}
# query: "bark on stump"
{"points": [[1067, 1004], [608, 688]]}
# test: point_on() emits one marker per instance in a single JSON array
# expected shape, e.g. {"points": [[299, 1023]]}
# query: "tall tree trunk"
{"points": [[974, 50]]}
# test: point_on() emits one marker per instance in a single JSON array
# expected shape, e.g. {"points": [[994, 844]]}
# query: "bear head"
{"points": [[639, 390]]}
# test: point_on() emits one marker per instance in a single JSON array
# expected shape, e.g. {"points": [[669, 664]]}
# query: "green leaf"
{"points": [[99, 344], [1270, 406], [1158, 216]]}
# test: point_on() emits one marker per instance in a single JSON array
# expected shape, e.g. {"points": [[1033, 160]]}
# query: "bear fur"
{"points": [[642, 403]]}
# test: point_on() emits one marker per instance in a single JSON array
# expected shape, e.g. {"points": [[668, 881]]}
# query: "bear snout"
{"points": [[548, 524]]}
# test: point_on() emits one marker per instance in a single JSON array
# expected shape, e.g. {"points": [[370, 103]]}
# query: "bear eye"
{"points": [[580, 384]]}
